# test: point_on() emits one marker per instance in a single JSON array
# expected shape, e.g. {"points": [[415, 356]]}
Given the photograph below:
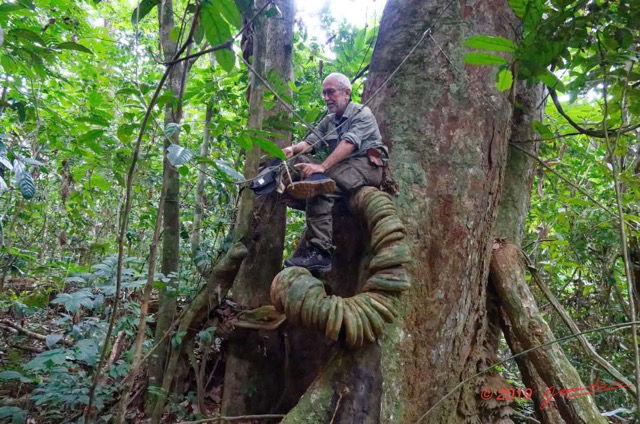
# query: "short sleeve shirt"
{"points": [[357, 126]]}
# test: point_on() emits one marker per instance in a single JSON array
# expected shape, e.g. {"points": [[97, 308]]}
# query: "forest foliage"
{"points": [[77, 79]]}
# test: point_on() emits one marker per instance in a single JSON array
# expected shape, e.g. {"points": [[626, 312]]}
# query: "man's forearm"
{"points": [[341, 152], [300, 147]]}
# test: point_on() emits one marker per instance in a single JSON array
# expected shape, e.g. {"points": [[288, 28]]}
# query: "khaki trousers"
{"points": [[349, 175]]}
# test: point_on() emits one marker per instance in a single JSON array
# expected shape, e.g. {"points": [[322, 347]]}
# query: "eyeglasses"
{"points": [[329, 92]]}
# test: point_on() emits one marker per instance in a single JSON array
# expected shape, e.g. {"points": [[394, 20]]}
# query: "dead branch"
{"points": [[9, 325]]}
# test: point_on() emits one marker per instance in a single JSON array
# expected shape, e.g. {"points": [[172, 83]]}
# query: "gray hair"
{"points": [[340, 79]]}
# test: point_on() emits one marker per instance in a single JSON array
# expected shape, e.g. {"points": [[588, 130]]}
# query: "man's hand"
{"points": [[288, 152], [310, 168]]}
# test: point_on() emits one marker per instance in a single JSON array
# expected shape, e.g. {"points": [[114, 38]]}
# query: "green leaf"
{"points": [[74, 46], [541, 129], [178, 155], [52, 339], [484, 59], [25, 34], [171, 128], [227, 169], [496, 44], [198, 34], [519, 7], [10, 7], [75, 300], [86, 350], [551, 81], [269, 146], [47, 359], [143, 10], [216, 28], [229, 10], [10, 375], [174, 34], [504, 79], [24, 180], [17, 415], [89, 136], [226, 58], [244, 141]]}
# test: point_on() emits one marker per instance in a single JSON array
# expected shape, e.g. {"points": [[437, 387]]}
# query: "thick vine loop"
{"points": [[305, 302]]}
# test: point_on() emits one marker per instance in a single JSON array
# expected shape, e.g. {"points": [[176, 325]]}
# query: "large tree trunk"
{"points": [[448, 129], [254, 369]]}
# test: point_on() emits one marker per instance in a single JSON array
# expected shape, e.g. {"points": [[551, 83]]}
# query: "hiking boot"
{"points": [[313, 186], [313, 259]]}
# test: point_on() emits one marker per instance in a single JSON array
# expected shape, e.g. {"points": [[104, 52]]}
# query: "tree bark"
{"points": [[171, 219], [254, 380], [448, 129]]}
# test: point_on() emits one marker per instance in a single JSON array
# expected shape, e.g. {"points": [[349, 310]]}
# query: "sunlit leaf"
{"points": [[178, 155], [227, 169], [496, 44], [484, 59], [504, 80]]}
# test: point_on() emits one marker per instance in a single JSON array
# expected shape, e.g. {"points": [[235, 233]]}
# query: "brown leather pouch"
{"points": [[375, 157]]}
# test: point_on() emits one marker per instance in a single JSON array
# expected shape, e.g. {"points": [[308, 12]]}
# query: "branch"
{"points": [[556, 173], [7, 324], [586, 131]]}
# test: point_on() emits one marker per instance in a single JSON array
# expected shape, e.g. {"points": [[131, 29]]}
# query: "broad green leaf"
{"points": [[174, 34], [24, 180], [541, 129], [16, 414], [143, 10], [171, 128], [178, 155], [519, 7], [216, 28], [10, 375], [226, 58], [25, 34], [496, 44], [75, 300], [551, 81], [484, 59], [98, 180], [74, 46], [269, 146], [227, 169], [86, 350], [504, 79], [10, 7], [198, 34], [46, 360], [89, 136], [229, 10], [52, 339], [244, 141]]}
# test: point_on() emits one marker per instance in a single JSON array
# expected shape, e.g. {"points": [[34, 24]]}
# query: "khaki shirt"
{"points": [[357, 126]]}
